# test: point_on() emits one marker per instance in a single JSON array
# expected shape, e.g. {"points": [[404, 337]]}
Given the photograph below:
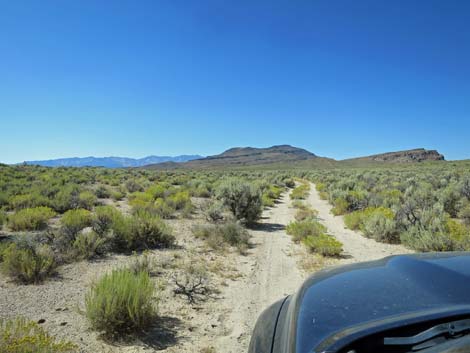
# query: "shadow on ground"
{"points": [[164, 333], [268, 227]]}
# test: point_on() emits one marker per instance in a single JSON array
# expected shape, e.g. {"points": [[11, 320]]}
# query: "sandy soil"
{"points": [[356, 247]]}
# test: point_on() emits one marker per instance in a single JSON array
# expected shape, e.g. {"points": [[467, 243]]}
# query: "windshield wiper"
{"points": [[448, 328]]}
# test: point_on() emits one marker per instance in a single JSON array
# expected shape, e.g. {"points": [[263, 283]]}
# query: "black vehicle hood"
{"points": [[335, 303]]}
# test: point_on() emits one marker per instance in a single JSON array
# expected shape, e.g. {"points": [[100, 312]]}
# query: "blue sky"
{"points": [[341, 78]]}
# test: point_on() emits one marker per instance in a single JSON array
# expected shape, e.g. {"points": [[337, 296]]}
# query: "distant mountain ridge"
{"points": [[111, 162], [282, 155], [245, 156], [293, 156]]}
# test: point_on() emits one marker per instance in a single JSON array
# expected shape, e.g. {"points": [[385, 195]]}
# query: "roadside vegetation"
{"points": [[426, 208], [310, 232], [53, 219]]}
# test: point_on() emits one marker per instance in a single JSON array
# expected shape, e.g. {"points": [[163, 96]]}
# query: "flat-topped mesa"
{"points": [[408, 156]]}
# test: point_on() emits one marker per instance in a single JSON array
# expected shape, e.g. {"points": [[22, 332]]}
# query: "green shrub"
{"points": [[434, 231], [66, 199], [320, 187], [302, 229], [140, 200], [465, 187], [141, 231], [341, 206], [464, 213], [381, 228], [28, 265], [422, 239], [234, 234], [243, 199], [305, 213], [356, 200], [163, 209], [86, 200], [142, 263], [117, 195], [450, 198], [215, 211], [121, 303], [459, 233], [22, 336], [89, 245], [4, 245], [299, 204], [217, 236], [289, 182], [133, 186], [179, 200], [4, 199], [19, 202], [103, 219], [102, 192], [73, 221], [30, 219], [375, 222], [354, 220], [323, 244], [270, 195], [267, 201], [158, 191], [3, 218], [300, 192]]}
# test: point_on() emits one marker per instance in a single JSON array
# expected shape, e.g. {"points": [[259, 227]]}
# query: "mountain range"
{"points": [[283, 155], [111, 162], [280, 155]]}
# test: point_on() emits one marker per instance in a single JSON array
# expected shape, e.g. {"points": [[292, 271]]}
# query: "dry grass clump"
{"points": [[28, 264], [218, 236], [305, 213], [30, 218], [121, 303], [73, 221]]}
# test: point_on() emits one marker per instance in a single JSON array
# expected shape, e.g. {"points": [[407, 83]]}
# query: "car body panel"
{"points": [[339, 305]]}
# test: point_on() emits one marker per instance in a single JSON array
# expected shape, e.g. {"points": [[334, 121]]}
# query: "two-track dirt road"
{"points": [[270, 270]]}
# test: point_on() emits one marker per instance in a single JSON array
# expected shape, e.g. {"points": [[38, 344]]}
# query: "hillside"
{"points": [[245, 156], [280, 157], [111, 162], [408, 156], [285, 156]]}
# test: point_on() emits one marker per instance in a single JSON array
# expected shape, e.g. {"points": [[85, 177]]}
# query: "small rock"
{"points": [[41, 321]]}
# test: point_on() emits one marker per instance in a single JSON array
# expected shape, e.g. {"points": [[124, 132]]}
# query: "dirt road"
{"points": [[356, 247], [271, 273]]}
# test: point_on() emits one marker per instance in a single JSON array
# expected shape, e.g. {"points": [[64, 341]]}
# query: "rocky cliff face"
{"points": [[409, 156]]}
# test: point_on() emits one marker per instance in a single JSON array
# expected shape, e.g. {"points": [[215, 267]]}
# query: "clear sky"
{"points": [[340, 78]]}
